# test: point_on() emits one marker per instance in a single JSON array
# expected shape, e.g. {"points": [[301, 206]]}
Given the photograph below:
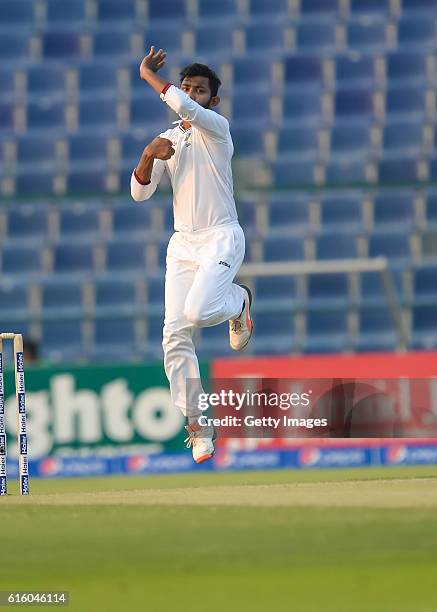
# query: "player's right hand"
{"points": [[161, 148]]}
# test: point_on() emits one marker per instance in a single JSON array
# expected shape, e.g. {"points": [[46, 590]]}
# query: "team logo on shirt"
{"points": [[224, 263], [187, 142]]}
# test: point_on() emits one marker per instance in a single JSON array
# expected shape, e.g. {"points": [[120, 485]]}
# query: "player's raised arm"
{"points": [[146, 176], [188, 109]]}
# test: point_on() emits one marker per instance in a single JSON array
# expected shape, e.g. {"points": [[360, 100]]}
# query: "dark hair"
{"points": [[202, 70]]}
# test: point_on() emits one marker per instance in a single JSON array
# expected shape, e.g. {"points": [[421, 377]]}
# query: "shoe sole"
{"points": [[249, 293]]}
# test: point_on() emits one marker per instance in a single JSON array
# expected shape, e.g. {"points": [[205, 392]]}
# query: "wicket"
{"points": [[22, 430]]}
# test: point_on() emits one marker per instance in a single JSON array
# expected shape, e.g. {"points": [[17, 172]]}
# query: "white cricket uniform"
{"points": [[207, 249]]}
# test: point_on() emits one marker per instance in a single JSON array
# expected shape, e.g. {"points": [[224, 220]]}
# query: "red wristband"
{"points": [[139, 180], [165, 88]]}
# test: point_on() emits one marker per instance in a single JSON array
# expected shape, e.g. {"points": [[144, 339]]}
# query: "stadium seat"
{"points": [[260, 9], [36, 150], [318, 35], [302, 108], [114, 339], [425, 285], [395, 247], [35, 182], [351, 140], [115, 43], [377, 330], [61, 45], [416, 6], [284, 249], [251, 72], [403, 100], [244, 110], [354, 102], [167, 10], [370, 6], [248, 141], [290, 173], [265, 36], [346, 171], [27, 222], [115, 297], [80, 221], [403, 138], [168, 37], [311, 8], [300, 141], [217, 38], [46, 114], [225, 9], [336, 246], [146, 113], [131, 219], [417, 32], [126, 256], [155, 291], [372, 293], [86, 181], [289, 214], [86, 147], [98, 112], [341, 211], [65, 13], [7, 84], [14, 46], [113, 10], [275, 291], [394, 211], [367, 34], [21, 260], [16, 14], [398, 170], [62, 340], [327, 290], [406, 66], [278, 326], [62, 299], [424, 327], [327, 332], [98, 78], [13, 300], [354, 69], [6, 116], [73, 258], [46, 80], [303, 70], [431, 208]]}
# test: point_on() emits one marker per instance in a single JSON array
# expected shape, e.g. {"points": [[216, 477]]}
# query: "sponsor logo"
{"points": [[316, 457], [309, 456], [224, 263], [50, 466], [396, 454], [248, 460], [3, 488], [20, 362], [24, 485], [137, 463], [23, 444], [20, 382]]}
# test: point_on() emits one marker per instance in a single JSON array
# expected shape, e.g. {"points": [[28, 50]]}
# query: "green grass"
{"points": [[156, 557]]}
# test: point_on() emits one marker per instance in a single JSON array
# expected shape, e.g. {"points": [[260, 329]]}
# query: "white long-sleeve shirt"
{"points": [[200, 170]]}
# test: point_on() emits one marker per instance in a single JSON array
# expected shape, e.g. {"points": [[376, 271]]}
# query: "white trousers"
{"points": [[199, 292]]}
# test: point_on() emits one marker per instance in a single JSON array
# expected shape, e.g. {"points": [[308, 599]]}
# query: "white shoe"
{"points": [[201, 441], [241, 328]]}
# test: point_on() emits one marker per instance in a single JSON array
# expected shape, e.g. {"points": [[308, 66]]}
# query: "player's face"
{"points": [[197, 87]]}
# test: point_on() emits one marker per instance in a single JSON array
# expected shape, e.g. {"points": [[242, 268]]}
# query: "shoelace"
{"points": [[236, 326], [189, 442]]}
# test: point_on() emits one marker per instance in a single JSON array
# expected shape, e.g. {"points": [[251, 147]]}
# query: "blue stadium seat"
{"points": [[114, 339], [35, 182], [289, 172], [79, 221], [246, 210], [273, 291], [217, 38], [61, 340], [21, 260], [86, 180], [45, 114], [71, 258], [46, 80], [115, 296], [354, 69], [327, 290], [66, 13], [131, 219], [370, 6], [418, 32], [102, 112], [301, 141], [167, 10], [225, 9], [145, 113], [132, 146], [98, 77], [300, 70], [406, 66], [338, 211], [336, 246], [326, 8], [351, 140], [251, 72], [316, 35], [16, 15], [395, 247], [277, 326], [155, 325], [87, 147], [284, 249], [125, 256], [268, 36], [155, 291], [271, 9], [13, 300], [403, 138], [403, 100], [416, 6], [327, 332], [372, 291], [114, 43], [289, 214], [6, 116], [398, 170], [431, 208], [425, 285], [376, 330], [62, 298], [168, 37], [244, 109], [354, 102], [35, 150], [424, 327], [7, 84], [14, 46], [303, 108], [61, 45], [248, 140], [367, 34], [346, 171], [28, 222], [394, 211], [113, 10]]}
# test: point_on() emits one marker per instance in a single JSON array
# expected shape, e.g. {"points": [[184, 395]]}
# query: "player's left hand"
{"points": [[153, 61]]}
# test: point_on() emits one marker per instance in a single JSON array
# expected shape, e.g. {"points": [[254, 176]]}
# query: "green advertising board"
{"points": [[91, 409]]}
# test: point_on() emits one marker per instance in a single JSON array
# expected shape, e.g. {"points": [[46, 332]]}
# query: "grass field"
{"points": [[344, 540]]}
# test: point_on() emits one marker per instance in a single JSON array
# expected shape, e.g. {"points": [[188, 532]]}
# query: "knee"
{"points": [[194, 313]]}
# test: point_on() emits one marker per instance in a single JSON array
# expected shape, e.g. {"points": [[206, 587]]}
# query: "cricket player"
{"points": [[207, 248]]}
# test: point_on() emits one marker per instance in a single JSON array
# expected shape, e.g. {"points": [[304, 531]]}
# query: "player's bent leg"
{"points": [[241, 328]]}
